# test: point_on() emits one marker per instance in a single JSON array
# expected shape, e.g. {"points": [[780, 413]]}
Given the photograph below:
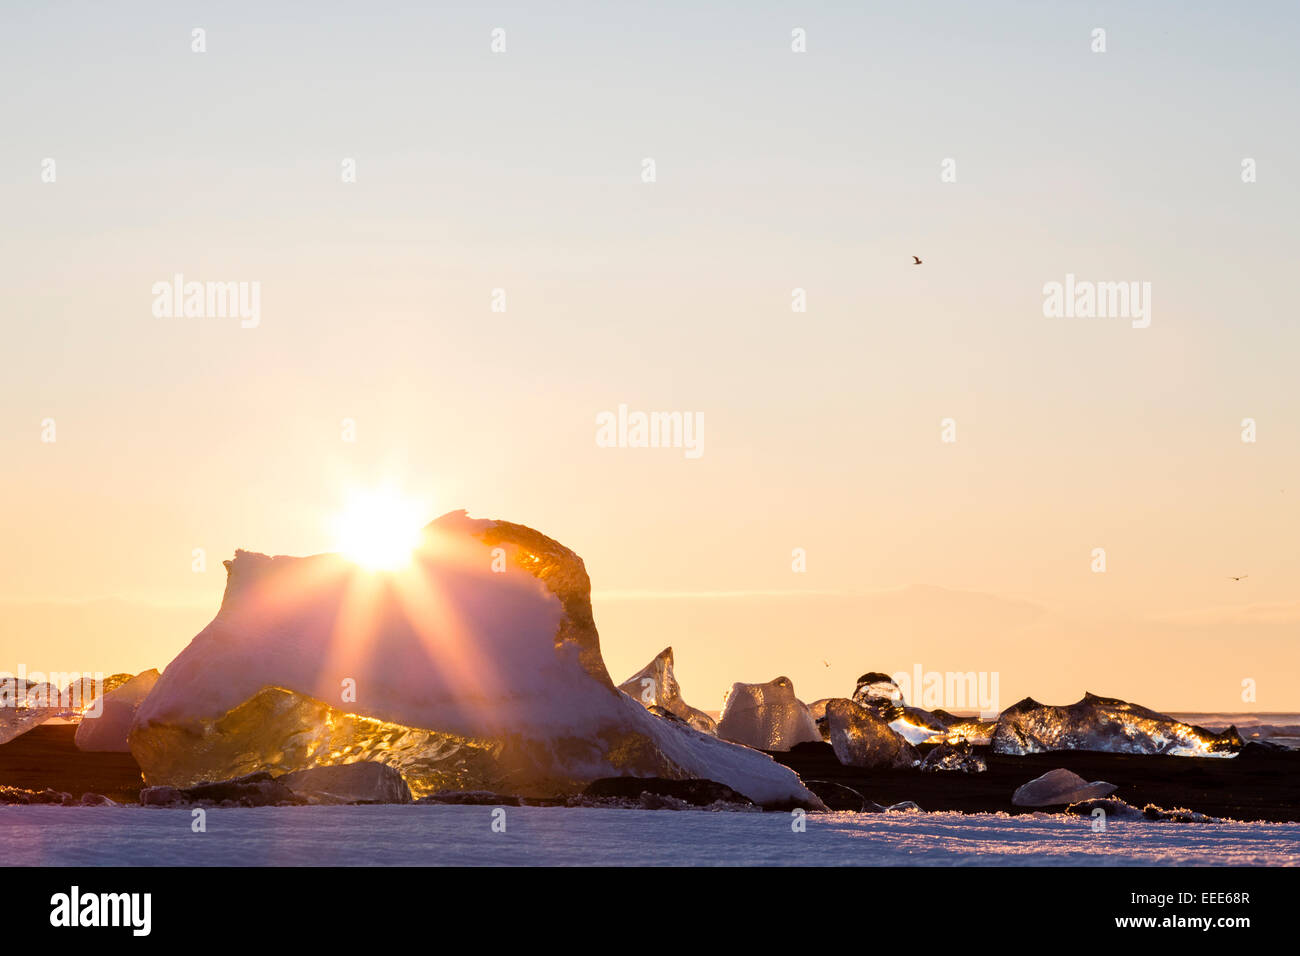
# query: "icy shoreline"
{"points": [[559, 836]]}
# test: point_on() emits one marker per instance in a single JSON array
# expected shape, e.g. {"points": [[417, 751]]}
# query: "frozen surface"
{"points": [[456, 835]]}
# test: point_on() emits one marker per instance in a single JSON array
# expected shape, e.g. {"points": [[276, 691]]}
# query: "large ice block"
{"points": [[1106, 724], [478, 667]]}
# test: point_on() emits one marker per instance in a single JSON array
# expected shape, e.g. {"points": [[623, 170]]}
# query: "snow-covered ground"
{"points": [[453, 835]]}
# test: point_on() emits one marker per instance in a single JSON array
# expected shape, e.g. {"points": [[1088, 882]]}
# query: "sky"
{"points": [[774, 170]]}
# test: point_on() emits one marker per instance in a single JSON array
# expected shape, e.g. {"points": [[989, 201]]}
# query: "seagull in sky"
{"points": [[916, 260], [1237, 577]]}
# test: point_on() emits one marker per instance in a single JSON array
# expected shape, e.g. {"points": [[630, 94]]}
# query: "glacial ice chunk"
{"points": [[971, 729], [861, 738], [80, 695], [1059, 787], [655, 685], [766, 716], [1117, 809], [912, 732], [25, 704], [16, 721], [878, 692], [457, 674], [365, 781], [43, 695], [108, 731], [817, 711], [956, 754], [1105, 724]]}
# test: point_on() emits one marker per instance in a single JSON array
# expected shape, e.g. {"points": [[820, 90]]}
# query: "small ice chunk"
{"points": [[905, 806], [365, 781], [913, 733], [108, 731], [16, 721], [655, 685], [817, 711], [877, 691], [1059, 787], [766, 716], [880, 694], [861, 738], [956, 754]]}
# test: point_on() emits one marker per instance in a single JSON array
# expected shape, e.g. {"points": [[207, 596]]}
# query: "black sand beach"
{"points": [[1259, 784], [47, 757]]}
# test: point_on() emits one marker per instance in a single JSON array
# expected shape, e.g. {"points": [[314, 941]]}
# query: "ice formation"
{"points": [[362, 782], [108, 731], [1059, 787], [16, 721], [955, 755], [80, 694], [655, 685], [861, 738], [1106, 724], [460, 671], [766, 716], [1117, 809], [817, 711], [880, 694], [971, 729], [25, 704]]}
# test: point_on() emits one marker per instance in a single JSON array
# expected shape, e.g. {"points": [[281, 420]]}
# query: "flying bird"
{"points": [[916, 260], [1237, 577]]}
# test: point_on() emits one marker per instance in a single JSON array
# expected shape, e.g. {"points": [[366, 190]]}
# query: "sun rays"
{"points": [[379, 530]]}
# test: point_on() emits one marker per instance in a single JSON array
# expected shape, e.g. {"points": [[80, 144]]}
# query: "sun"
{"points": [[379, 530]]}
